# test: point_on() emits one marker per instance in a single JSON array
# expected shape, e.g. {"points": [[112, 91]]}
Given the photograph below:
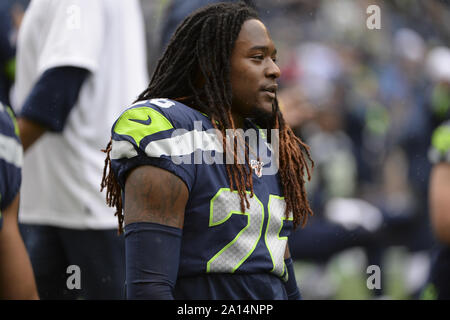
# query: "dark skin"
{"points": [[162, 201], [440, 202], [30, 132], [16, 274], [253, 69]]}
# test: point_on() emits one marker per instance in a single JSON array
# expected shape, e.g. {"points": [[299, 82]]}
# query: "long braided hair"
{"points": [[201, 49]]}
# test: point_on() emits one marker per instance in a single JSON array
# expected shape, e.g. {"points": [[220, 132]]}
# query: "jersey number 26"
{"points": [[226, 203]]}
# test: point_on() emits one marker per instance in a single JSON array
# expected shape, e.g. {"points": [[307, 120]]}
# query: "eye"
{"points": [[258, 57], [274, 60]]}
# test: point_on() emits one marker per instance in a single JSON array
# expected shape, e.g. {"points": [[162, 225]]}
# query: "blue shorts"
{"points": [[99, 254]]}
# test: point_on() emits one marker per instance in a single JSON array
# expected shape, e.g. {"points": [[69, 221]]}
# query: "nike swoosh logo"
{"points": [[144, 122]]}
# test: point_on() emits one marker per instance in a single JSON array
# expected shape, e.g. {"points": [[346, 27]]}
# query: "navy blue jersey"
{"points": [[10, 158], [218, 238]]}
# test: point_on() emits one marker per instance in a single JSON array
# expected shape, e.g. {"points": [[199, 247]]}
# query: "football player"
{"points": [[78, 63], [16, 274], [196, 228], [438, 286], [438, 62]]}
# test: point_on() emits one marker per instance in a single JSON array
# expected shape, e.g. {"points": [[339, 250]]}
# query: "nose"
{"points": [[272, 70]]}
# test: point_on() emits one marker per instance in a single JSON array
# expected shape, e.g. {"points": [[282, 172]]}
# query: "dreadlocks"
{"points": [[200, 50]]}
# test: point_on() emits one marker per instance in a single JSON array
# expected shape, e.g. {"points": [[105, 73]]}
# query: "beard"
{"points": [[264, 118]]}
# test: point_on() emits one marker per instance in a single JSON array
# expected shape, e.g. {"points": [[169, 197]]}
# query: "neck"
{"points": [[238, 120]]}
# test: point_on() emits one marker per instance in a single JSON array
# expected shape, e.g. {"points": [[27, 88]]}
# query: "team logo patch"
{"points": [[257, 166]]}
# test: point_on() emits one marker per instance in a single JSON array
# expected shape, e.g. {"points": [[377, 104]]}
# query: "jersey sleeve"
{"points": [[74, 38], [11, 158], [148, 133], [440, 144]]}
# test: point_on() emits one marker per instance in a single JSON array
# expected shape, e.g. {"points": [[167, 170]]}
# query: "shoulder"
{"points": [[176, 111], [8, 124], [154, 122], [11, 157], [440, 144], [152, 132], [155, 116]]}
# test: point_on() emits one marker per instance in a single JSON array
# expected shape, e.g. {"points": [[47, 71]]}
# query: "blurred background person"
{"points": [[340, 221], [438, 66], [79, 63], [11, 13], [16, 274]]}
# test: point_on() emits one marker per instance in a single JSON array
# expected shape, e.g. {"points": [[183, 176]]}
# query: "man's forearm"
{"points": [[16, 273], [440, 201], [30, 131]]}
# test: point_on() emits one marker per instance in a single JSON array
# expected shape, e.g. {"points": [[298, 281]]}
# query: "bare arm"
{"points": [[440, 201], [16, 274], [155, 195], [29, 132], [155, 201]]}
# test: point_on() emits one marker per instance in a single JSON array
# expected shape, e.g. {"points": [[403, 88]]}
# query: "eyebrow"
{"points": [[263, 48]]}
